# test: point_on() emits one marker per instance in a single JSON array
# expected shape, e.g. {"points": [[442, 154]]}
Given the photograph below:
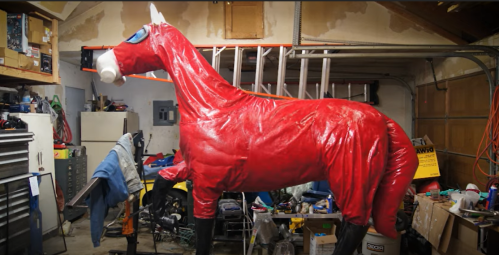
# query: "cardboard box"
{"points": [[46, 63], [35, 24], [430, 219], [8, 57], [29, 63], [3, 29], [6, 52], [17, 32], [447, 233], [46, 49], [19, 108], [322, 245], [326, 226], [61, 154], [8, 62], [33, 51], [35, 37]]}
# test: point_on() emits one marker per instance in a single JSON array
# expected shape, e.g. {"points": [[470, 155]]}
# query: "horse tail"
{"points": [[401, 165]]}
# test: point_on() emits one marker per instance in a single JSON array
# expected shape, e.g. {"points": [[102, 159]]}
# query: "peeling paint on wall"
{"points": [[270, 23], [216, 19], [86, 31], [204, 23], [400, 24], [320, 17]]}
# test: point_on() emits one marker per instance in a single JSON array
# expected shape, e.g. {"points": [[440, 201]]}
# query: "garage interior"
{"points": [[82, 160]]}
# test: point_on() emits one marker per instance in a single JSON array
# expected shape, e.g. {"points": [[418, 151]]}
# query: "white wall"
{"points": [[139, 94], [453, 67]]}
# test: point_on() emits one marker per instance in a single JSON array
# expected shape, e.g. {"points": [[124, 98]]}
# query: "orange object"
{"points": [[127, 221], [429, 185], [207, 46], [491, 130]]}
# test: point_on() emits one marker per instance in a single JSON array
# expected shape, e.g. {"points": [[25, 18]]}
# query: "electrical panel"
{"points": [[164, 113]]}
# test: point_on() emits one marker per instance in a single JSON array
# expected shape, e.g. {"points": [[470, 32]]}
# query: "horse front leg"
{"points": [[164, 182], [205, 206]]}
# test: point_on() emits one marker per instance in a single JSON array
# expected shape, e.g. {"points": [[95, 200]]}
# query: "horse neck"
{"points": [[201, 91]]}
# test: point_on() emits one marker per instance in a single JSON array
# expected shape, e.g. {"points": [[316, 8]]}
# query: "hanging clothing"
{"points": [[111, 190], [127, 164]]}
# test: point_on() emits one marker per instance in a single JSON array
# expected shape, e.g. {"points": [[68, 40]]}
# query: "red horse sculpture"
{"points": [[232, 141]]}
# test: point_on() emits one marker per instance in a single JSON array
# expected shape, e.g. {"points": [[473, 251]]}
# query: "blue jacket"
{"points": [[108, 193]]}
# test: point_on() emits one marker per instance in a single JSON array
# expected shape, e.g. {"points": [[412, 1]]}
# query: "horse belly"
{"points": [[273, 167]]}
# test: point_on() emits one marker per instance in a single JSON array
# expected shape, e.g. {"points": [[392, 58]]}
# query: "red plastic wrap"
{"points": [[178, 157], [232, 141]]}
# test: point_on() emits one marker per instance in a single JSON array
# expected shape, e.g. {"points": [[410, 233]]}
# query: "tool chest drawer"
{"points": [[14, 159], [71, 175], [14, 217]]}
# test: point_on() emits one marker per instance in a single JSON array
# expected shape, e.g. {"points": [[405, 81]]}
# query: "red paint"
{"points": [[232, 141]]}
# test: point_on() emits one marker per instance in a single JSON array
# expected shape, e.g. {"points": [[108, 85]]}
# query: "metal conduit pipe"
{"points": [[408, 55], [491, 50]]}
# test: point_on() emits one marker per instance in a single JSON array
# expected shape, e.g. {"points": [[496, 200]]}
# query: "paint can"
{"points": [[378, 244], [491, 198]]}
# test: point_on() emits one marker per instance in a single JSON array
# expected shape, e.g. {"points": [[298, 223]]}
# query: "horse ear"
{"points": [[155, 16], [162, 18]]}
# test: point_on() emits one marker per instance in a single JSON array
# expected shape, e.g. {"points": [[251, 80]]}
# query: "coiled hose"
{"points": [[63, 132]]}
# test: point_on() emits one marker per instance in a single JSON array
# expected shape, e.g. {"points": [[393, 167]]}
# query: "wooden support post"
{"points": [[55, 51]]}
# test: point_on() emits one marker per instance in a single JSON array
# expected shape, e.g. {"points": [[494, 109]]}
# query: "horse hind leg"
{"points": [[351, 235]]}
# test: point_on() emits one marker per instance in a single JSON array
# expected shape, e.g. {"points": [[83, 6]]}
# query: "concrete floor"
{"points": [[79, 242]]}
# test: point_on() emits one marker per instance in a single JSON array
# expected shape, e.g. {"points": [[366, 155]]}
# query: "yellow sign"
{"points": [[428, 164]]}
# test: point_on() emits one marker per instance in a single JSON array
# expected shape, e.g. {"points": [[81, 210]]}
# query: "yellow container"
{"points": [[61, 154]]}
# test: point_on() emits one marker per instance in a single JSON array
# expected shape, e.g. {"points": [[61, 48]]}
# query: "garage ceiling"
{"points": [[460, 22]]}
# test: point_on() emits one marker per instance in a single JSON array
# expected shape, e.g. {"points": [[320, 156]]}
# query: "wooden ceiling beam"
{"points": [[469, 27], [400, 10]]}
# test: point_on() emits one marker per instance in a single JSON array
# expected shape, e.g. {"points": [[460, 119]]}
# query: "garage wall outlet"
{"points": [[164, 113]]}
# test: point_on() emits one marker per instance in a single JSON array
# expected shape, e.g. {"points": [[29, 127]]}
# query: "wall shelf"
{"points": [[16, 76], [11, 76]]}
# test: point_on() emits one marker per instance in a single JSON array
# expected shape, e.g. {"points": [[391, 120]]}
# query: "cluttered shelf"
{"points": [[16, 76], [29, 52]]}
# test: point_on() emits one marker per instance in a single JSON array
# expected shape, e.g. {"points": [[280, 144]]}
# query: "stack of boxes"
{"points": [[25, 42]]}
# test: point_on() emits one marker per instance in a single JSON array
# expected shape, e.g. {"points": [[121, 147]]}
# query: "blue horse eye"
{"points": [[138, 36]]}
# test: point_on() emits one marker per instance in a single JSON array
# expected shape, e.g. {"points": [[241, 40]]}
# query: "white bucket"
{"points": [[377, 244]]}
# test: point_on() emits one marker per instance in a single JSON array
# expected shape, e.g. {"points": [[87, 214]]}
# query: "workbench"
{"points": [[451, 233]]}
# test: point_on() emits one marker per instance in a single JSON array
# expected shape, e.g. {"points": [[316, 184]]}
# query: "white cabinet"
{"points": [[42, 147], [43, 144], [100, 131], [107, 126]]}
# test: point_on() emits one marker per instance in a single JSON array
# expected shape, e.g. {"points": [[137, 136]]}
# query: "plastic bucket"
{"points": [[377, 244]]}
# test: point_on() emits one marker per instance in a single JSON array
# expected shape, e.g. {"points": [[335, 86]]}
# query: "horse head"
{"points": [[135, 55]]}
